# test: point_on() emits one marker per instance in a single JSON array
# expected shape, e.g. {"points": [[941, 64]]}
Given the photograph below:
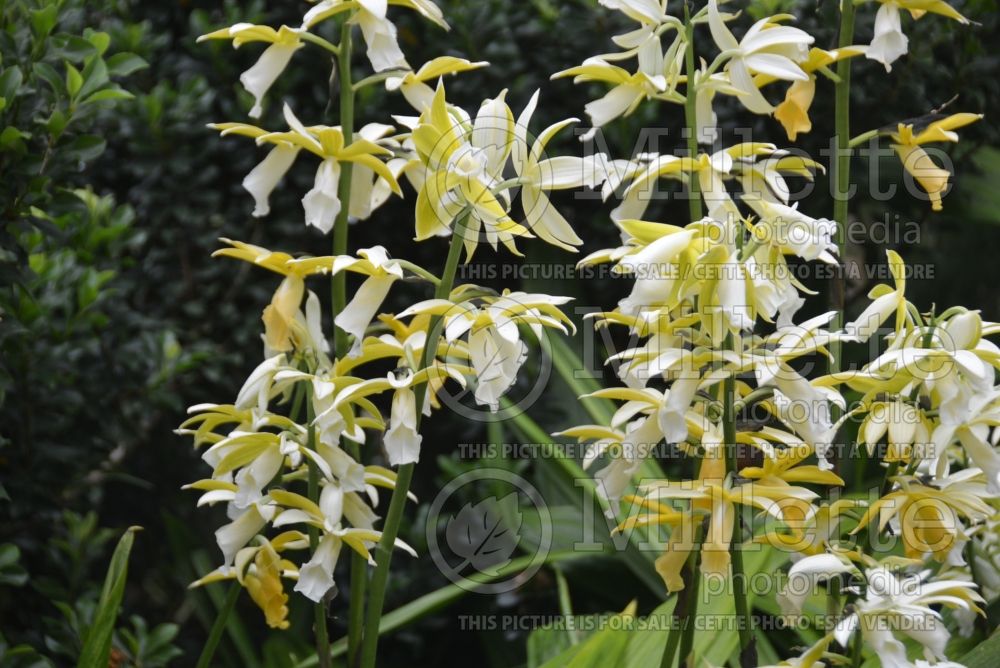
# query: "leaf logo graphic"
{"points": [[479, 535]]}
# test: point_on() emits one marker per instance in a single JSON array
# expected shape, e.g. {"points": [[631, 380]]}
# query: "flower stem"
{"points": [[215, 635], [338, 287], [319, 609], [748, 650], [691, 116], [841, 173], [682, 630], [383, 552], [691, 607], [338, 283]]}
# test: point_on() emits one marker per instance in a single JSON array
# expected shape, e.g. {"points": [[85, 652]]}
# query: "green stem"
{"points": [[215, 635], [338, 284], [841, 176], [841, 184], [682, 631], [379, 77], [320, 42], [417, 270], [338, 293], [319, 609], [566, 605], [859, 643], [691, 608], [383, 552], [748, 652], [691, 116]]}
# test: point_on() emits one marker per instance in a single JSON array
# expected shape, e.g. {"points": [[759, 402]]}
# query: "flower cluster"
{"points": [[717, 369], [288, 456]]}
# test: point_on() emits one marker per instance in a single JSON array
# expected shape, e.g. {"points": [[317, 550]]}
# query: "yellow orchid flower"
{"points": [[907, 427], [783, 465], [492, 328], [327, 515], [263, 583], [282, 325], [811, 534], [793, 111], [719, 498], [257, 80], [887, 301], [322, 203], [413, 85], [929, 518], [767, 48], [379, 32], [463, 164], [260, 568], [907, 144]]}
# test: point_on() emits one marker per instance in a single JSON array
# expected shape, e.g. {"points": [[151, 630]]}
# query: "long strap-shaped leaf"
{"points": [[97, 643], [435, 600]]}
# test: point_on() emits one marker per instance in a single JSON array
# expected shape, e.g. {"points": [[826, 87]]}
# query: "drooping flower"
{"points": [[537, 175], [909, 147], [494, 340], [379, 32], [322, 203], [766, 48], [413, 85], [793, 111], [381, 273], [257, 80], [889, 42]]}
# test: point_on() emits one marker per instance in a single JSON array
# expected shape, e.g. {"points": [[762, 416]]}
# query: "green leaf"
{"points": [[95, 76], [607, 647], [125, 63], [85, 148], [109, 94], [100, 40], [97, 643], [10, 82], [57, 123], [11, 572], [985, 654], [74, 80], [72, 47], [11, 138], [49, 75], [44, 20]]}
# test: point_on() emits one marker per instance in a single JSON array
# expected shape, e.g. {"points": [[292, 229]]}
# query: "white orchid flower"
{"points": [[257, 80], [322, 203], [379, 32], [650, 12], [888, 42], [413, 85], [537, 175], [902, 605], [766, 48], [494, 340], [382, 272]]}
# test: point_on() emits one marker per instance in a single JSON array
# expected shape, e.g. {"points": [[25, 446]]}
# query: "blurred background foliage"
{"points": [[114, 318]]}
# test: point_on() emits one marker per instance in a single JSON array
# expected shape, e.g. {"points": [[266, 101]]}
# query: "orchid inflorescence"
{"points": [[286, 455], [712, 315]]}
